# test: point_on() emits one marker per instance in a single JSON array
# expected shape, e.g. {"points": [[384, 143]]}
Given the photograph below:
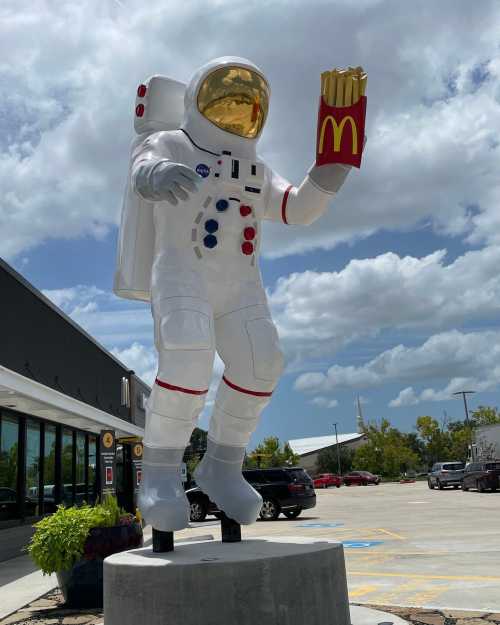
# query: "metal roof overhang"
{"points": [[32, 398]]}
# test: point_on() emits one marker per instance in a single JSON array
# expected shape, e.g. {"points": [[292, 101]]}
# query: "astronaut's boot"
{"points": [[219, 476], [162, 501]]}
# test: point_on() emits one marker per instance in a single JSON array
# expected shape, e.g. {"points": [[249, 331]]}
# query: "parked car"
{"points": [[324, 480], [362, 478], [445, 474], [286, 490], [482, 476], [9, 504]]}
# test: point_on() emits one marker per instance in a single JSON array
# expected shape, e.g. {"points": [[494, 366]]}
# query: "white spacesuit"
{"points": [[190, 238]]}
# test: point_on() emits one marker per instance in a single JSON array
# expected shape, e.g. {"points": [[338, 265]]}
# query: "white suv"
{"points": [[445, 474]]}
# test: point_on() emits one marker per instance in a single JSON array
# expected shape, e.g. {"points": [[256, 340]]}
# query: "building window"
{"points": [[32, 468], [49, 469], [9, 449], [81, 487], [92, 469], [67, 467]]}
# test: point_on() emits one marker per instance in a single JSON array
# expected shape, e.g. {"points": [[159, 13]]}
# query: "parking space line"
{"points": [[424, 597], [394, 593], [417, 553], [393, 534], [364, 590], [460, 578]]}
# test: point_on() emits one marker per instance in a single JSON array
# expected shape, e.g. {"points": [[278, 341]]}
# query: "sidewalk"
{"points": [[21, 584]]}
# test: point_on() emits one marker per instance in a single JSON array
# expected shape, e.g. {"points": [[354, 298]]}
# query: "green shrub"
{"points": [[59, 539]]}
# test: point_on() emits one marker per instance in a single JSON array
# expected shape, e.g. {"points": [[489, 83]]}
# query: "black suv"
{"points": [[287, 490], [482, 475]]}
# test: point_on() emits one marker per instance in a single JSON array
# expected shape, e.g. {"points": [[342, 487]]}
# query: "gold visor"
{"points": [[236, 100]]}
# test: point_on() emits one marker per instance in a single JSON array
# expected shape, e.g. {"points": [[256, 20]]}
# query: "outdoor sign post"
{"points": [[137, 449], [108, 462]]}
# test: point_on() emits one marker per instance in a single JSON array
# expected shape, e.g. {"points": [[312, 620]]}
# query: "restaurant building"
{"points": [[59, 389]]}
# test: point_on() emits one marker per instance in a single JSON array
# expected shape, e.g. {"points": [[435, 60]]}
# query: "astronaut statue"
{"points": [[189, 242]]}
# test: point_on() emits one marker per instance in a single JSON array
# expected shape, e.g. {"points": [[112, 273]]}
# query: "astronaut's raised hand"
{"points": [[167, 181], [329, 178]]}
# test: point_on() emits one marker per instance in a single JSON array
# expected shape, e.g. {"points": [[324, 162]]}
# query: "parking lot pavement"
{"points": [[404, 544]]}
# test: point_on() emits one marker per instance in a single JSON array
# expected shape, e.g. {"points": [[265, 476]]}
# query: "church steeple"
{"points": [[359, 418]]}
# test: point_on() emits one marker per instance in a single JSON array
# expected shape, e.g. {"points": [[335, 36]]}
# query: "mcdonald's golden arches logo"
{"points": [[108, 440], [338, 130]]}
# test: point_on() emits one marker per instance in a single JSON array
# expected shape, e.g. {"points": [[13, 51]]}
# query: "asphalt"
{"points": [[406, 545], [434, 552]]}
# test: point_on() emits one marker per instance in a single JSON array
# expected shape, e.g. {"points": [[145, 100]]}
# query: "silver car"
{"points": [[445, 474]]}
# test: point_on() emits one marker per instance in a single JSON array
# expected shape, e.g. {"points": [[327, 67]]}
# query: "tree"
{"points": [[195, 450], [328, 462], [8, 467], [270, 453], [459, 443], [437, 442], [485, 415], [413, 442], [385, 452]]}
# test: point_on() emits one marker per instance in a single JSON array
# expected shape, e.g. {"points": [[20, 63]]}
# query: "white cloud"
{"points": [[406, 397], [74, 297], [324, 402], [432, 150], [409, 397], [453, 360], [317, 313], [115, 322], [141, 359]]}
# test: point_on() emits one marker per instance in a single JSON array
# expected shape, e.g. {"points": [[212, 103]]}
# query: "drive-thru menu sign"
{"points": [[137, 450], [108, 462]]}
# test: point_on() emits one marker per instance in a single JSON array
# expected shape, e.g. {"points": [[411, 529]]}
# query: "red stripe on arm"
{"points": [[180, 389], [284, 203], [246, 390]]}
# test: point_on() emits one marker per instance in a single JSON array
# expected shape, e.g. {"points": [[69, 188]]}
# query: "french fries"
{"points": [[343, 87]]}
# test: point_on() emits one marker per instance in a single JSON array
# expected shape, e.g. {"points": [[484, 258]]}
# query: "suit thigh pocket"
{"points": [[266, 353], [185, 330]]}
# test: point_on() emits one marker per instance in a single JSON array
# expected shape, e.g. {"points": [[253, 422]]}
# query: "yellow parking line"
{"points": [[357, 530], [364, 590], [381, 529], [424, 597], [464, 578], [398, 591]]}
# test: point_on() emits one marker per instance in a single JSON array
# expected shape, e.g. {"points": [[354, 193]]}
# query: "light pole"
{"points": [[338, 449], [464, 395]]}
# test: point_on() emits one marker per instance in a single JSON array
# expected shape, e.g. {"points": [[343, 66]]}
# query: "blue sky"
{"points": [[393, 295]]}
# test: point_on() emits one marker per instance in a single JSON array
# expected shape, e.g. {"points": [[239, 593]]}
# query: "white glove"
{"points": [[329, 178], [166, 181]]}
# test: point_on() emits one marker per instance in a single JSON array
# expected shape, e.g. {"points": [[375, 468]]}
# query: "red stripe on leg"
{"points": [[171, 387], [246, 390], [284, 203]]}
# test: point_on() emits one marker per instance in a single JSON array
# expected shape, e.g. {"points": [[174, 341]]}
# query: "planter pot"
{"points": [[82, 585]]}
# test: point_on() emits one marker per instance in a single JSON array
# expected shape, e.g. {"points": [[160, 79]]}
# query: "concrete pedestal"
{"points": [[269, 581]]}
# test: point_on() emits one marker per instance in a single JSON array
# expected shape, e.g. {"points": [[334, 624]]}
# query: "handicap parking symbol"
{"points": [[361, 544], [320, 525]]}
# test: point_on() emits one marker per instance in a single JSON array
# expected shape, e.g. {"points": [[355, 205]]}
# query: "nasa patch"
{"points": [[203, 170]]}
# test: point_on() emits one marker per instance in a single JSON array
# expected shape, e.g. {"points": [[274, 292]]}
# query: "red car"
{"points": [[362, 478], [324, 480]]}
